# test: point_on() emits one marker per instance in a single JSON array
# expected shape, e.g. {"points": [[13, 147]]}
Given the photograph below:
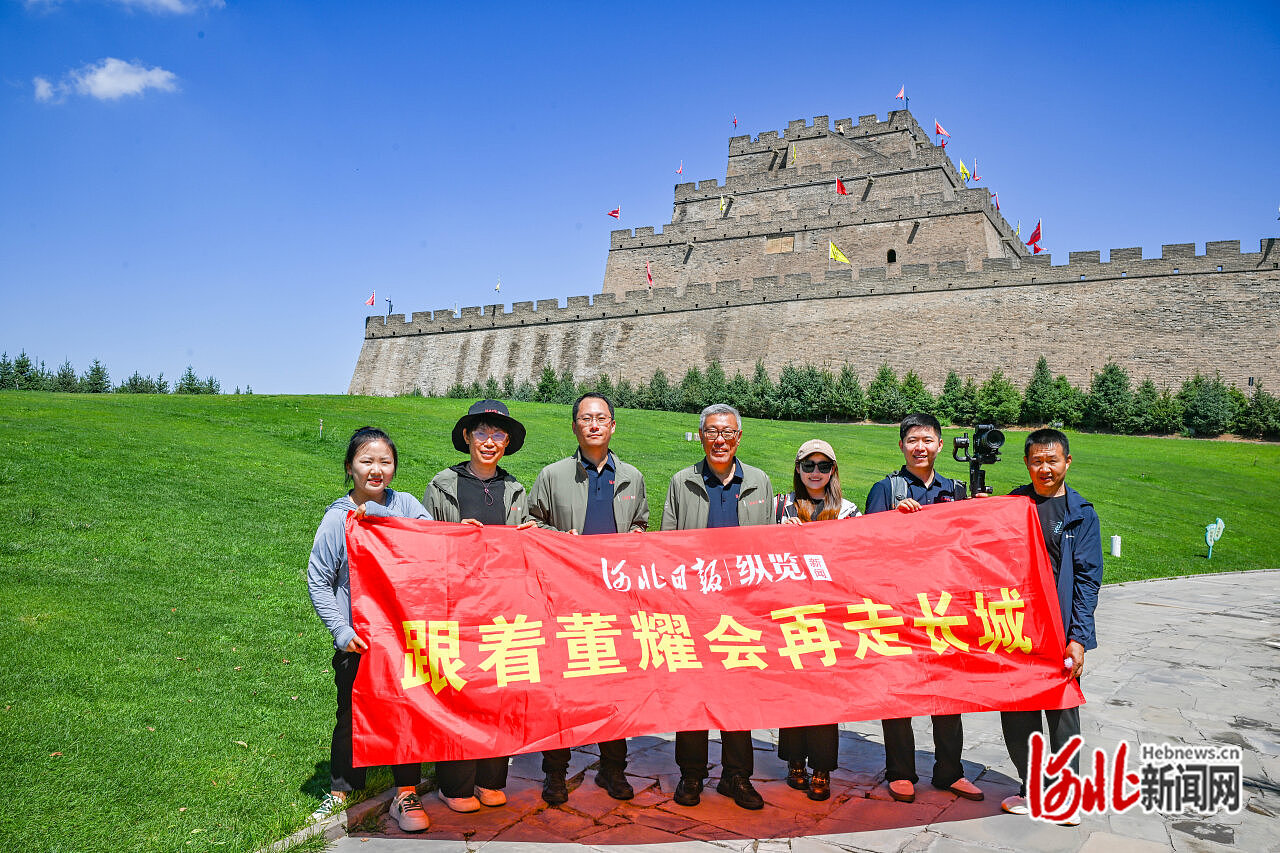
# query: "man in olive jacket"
{"points": [[719, 491], [590, 492]]}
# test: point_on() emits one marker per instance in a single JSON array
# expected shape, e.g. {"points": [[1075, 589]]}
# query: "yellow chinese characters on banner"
{"points": [[512, 649]]}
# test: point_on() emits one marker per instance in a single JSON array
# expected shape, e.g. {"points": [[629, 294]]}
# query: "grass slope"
{"points": [[165, 683]]}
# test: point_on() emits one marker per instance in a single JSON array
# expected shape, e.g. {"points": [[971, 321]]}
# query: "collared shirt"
{"points": [[941, 490], [600, 517], [722, 498]]}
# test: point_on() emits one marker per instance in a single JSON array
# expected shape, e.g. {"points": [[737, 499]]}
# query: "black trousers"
{"points": [[460, 778], [1018, 726], [736, 754], [613, 756], [900, 750], [819, 745], [347, 778]]}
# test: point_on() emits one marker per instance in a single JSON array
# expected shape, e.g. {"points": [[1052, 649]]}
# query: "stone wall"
{"points": [[1165, 318]]}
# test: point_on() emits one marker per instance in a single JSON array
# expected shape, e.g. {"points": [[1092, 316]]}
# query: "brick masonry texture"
{"points": [[961, 293]]}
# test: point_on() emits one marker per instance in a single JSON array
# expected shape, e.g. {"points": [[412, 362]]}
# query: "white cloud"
{"points": [[170, 7], [108, 80], [173, 7], [44, 89]]}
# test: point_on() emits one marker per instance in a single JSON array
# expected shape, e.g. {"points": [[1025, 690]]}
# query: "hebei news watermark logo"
{"points": [[1170, 779]]}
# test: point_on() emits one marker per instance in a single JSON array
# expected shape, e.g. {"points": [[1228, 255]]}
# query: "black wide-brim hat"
{"points": [[493, 412]]}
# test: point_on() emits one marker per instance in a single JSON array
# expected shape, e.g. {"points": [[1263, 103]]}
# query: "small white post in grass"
{"points": [[1115, 546], [322, 429], [688, 436]]}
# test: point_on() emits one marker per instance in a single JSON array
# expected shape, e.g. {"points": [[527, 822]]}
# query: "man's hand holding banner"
{"points": [[493, 641]]}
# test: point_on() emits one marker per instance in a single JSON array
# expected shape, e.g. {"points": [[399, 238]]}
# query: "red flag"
{"points": [[996, 196], [937, 128], [680, 171], [1035, 250], [902, 93], [648, 273], [1035, 235], [840, 190], [369, 301], [735, 120], [616, 212], [512, 672]]}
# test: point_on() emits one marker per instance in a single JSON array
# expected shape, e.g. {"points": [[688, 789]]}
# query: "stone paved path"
{"points": [[1189, 660]]}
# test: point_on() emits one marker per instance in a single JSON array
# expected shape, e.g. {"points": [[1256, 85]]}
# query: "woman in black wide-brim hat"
{"points": [[479, 492]]}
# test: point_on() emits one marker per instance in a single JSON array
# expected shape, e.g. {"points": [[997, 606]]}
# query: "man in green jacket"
{"points": [[719, 491], [590, 492]]}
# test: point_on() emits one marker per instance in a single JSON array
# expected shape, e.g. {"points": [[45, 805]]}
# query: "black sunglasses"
{"points": [[808, 465]]}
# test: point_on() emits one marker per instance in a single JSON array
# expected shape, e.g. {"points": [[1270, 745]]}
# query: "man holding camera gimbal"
{"points": [[913, 487]]}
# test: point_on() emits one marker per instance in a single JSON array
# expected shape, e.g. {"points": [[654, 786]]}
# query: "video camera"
{"points": [[986, 444]]}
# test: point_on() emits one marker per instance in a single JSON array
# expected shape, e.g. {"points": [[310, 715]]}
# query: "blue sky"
{"points": [[223, 184]]}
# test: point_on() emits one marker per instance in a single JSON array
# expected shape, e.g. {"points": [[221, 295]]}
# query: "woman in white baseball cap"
{"points": [[815, 496]]}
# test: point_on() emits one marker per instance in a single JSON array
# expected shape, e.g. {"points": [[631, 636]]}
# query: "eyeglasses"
{"points": [[726, 434], [588, 420], [808, 465], [482, 437]]}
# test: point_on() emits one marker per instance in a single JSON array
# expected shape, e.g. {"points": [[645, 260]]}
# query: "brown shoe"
{"points": [[797, 777], [820, 785], [902, 790]]}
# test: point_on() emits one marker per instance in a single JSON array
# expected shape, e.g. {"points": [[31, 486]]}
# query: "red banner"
{"points": [[493, 641]]}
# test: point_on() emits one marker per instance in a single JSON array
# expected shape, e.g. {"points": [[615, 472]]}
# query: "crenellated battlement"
{"points": [[1177, 259], [897, 121]]}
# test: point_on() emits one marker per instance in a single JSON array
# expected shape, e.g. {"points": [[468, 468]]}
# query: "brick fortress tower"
{"points": [[937, 282], [907, 210]]}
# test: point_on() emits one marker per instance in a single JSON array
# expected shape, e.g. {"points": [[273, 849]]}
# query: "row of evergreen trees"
{"points": [[1203, 406], [24, 373]]}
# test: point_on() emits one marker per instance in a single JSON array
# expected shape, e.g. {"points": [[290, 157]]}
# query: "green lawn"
{"points": [[166, 683]]}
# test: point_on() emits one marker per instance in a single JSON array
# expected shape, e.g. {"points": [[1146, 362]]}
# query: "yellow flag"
{"points": [[722, 204], [964, 173], [835, 254], [792, 161]]}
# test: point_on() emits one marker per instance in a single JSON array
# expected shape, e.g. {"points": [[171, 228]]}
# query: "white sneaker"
{"points": [[1016, 805], [331, 805], [1073, 820], [490, 797], [407, 809], [459, 804]]}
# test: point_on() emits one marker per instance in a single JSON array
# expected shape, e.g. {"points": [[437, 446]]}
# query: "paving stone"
{"points": [[621, 838], [874, 840], [1107, 842], [856, 814], [529, 766]]}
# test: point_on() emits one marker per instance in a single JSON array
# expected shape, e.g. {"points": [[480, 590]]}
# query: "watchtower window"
{"points": [[892, 256]]}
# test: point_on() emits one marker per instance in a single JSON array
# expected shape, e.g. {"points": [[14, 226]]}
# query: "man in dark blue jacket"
{"points": [[1073, 538]]}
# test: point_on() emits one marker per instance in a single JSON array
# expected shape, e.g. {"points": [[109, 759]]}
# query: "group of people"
{"points": [[593, 492]]}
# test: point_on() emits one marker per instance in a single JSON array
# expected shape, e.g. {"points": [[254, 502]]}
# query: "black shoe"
{"points": [[797, 777], [687, 791], [739, 788], [820, 785], [615, 783], [555, 790]]}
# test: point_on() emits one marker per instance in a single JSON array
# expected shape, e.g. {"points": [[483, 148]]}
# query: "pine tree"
{"points": [[1208, 409], [884, 397], [624, 395], [915, 397], [1068, 403], [604, 386], [714, 387], [759, 403], [947, 407], [508, 387], [492, 390], [96, 379], [568, 390], [1110, 402], [25, 377], [188, 383], [65, 379], [548, 386], [847, 400], [691, 391], [1037, 402], [1145, 399], [1165, 417], [739, 389], [6, 372], [999, 401]]}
